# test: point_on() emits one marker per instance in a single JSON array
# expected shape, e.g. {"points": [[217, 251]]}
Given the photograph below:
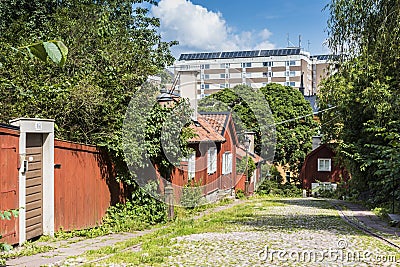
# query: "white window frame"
{"points": [[212, 160], [291, 63], [205, 66], [227, 163], [268, 64], [205, 76], [225, 65], [290, 73], [192, 166], [292, 84], [205, 86], [322, 165], [246, 65]]}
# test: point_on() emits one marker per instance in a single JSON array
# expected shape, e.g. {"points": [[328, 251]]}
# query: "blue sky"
{"points": [[222, 25]]}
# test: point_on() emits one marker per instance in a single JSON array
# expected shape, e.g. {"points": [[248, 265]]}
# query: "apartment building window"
{"points": [[212, 160], [324, 165], [224, 85], [268, 64], [224, 76], [192, 165], [225, 65], [226, 163], [267, 74], [290, 84], [290, 73], [246, 65], [291, 63], [205, 86], [204, 66], [205, 76]]}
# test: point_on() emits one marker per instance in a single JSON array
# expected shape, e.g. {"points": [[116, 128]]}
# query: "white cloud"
{"points": [[198, 29]]}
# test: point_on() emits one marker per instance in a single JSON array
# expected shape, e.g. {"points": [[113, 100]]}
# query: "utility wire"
{"points": [[305, 116]]}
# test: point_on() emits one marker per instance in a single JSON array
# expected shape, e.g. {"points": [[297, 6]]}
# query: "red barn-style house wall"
{"points": [[311, 173]]}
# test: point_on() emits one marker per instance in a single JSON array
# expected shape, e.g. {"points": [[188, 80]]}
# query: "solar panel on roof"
{"points": [[249, 53]]}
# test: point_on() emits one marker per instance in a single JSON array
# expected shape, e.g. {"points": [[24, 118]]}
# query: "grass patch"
{"points": [[27, 249]]}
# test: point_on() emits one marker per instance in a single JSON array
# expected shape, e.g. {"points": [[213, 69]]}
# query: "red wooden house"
{"points": [[320, 166], [255, 177], [213, 163]]}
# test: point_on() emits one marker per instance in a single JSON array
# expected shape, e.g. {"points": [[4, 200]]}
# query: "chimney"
{"points": [[301, 88], [188, 89], [316, 141], [250, 136]]}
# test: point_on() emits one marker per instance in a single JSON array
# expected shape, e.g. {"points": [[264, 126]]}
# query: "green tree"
{"points": [[365, 94], [293, 138], [113, 47], [294, 124]]}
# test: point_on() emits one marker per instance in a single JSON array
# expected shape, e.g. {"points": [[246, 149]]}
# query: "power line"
{"points": [[305, 116]]}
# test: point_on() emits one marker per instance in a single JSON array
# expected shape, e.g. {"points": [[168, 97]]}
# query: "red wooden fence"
{"points": [[9, 139], [84, 186]]}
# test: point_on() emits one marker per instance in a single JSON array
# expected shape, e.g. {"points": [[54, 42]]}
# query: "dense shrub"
{"points": [[273, 188]]}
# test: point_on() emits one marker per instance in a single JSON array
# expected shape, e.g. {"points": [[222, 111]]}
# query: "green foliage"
{"points": [[275, 175], [365, 92], [250, 112], [293, 138], [243, 167], [239, 194], [136, 214], [56, 51], [192, 196], [273, 188], [113, 46], [7, 215], [381, 212]]}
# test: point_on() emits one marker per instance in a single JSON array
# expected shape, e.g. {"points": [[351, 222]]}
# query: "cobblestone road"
{"points": [[293, 232]]}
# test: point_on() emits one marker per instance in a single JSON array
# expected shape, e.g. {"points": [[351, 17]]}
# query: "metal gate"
{"points": [[34, 185]]}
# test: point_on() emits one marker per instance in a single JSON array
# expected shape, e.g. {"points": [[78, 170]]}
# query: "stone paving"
{"points": [[290, 232], [65, 249], [302, 232]]}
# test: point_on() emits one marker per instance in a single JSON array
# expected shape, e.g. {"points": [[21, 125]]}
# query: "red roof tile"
{"points": [[204, 131], [217, 120]]}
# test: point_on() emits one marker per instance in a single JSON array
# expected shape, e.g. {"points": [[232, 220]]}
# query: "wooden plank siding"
{"points": [[34, 186], [9, 160], [309, 173], [84, 186]]}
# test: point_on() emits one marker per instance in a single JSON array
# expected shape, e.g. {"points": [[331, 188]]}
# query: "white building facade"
{"points": [[219, 70]]}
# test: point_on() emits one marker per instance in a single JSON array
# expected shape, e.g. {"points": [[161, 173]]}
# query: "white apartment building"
{"points": [[218, 70]]}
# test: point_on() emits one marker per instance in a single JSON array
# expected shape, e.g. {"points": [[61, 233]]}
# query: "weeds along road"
{"points": [[254, 232], [260, 232]]}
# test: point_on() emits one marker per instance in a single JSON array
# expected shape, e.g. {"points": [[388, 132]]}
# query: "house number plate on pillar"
{"points": [[38, 126]]}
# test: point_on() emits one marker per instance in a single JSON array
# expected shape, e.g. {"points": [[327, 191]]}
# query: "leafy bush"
{"points": [[141, 211], [7, 215], [381, 212], [239, 194], [273, 188], [192, 195], [326, 193], [242, 167]]}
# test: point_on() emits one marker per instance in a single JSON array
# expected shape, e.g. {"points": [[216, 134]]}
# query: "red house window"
{"points": [[324, 165]]}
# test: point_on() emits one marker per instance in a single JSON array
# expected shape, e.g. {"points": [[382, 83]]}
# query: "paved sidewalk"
{"points": [[63, 250], [366, 218], [70, 248]]}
